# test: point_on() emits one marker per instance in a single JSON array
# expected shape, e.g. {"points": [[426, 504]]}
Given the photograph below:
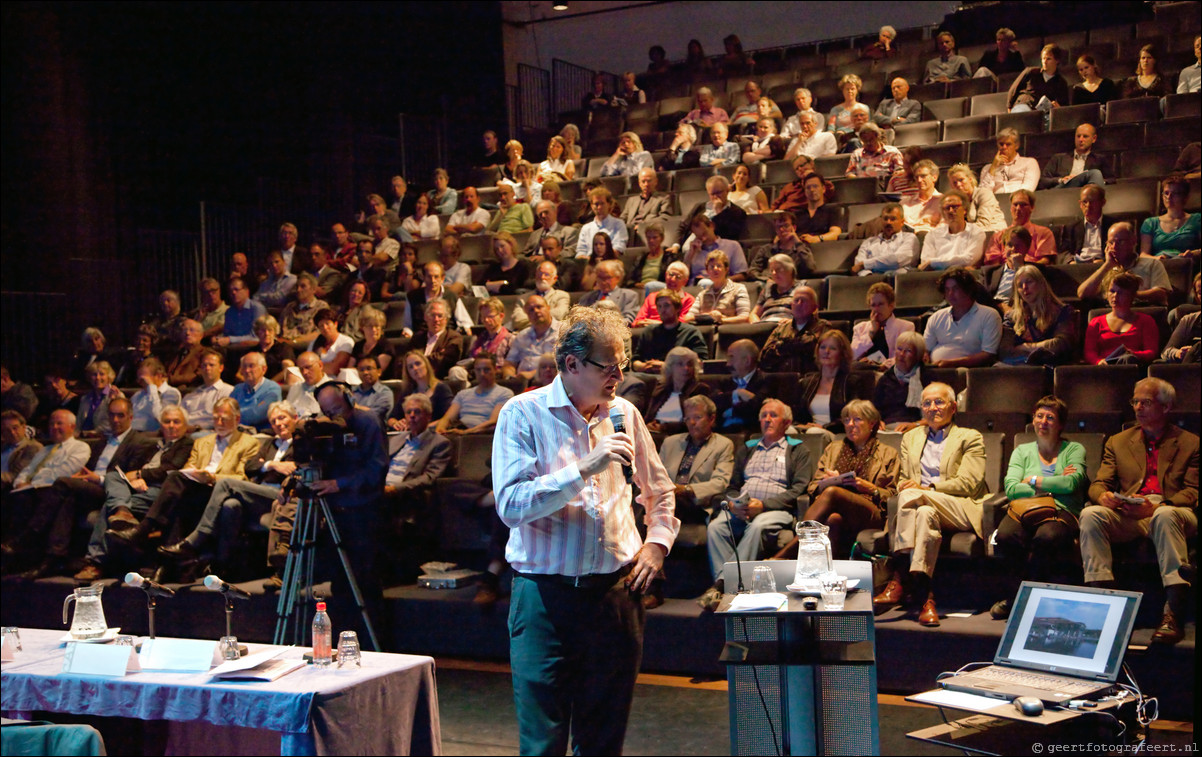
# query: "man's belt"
{"points": [[589, 581]]}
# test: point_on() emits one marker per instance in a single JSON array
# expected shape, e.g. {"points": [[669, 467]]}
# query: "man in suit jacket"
{"points": [[763, 493], [223, 454], [941, 485], [739, 409], [1147, 483], [442, 344], [730, 221], [700, 462], [1084, 240], [647, 205], [129, 494], [1083, 166], [419, 456], [609, 277], [71, 497], [18, 447]]}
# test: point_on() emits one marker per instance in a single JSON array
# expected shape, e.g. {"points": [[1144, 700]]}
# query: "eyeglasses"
{"points": [[609, 370], [1139, 403], [937, 404]]}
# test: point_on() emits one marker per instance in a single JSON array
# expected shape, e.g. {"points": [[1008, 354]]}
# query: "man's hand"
{"points": [[615, 448], [1139, 512], [744, 395], [326, 487], [908, 483], [137, 484], [1110, 500], [647, 564], [286, 467]]}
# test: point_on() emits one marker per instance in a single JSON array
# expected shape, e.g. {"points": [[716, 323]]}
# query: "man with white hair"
{"points": [[791, 345], [1147, 485], [648, 205], [941, 485], [609, 275], [730, 221], [770, 473], [546, 224]]}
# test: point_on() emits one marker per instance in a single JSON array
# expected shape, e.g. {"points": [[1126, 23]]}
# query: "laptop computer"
{"points": [[1061, 643]]}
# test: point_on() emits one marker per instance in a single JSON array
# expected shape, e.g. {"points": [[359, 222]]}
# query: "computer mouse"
{"points": [[1030, 706]]}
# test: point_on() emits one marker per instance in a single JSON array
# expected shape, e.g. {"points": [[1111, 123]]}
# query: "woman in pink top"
{"points": [[1122, 327]]}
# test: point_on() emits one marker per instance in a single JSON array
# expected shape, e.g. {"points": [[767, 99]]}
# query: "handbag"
{"points": [[1031, 511]]}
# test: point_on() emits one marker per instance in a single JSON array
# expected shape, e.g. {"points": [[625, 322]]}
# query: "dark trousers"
{"points": [[178, 507], [575, 655], [358, 527], [1039, 550], [69, 500]]}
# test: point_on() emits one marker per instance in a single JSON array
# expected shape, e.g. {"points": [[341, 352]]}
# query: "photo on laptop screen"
{"points": [[1069, 629]]}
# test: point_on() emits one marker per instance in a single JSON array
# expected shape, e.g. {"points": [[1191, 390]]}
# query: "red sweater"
{"points": [[1141, 339]]}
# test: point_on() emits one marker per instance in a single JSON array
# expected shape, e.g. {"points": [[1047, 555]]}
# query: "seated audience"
{"points": [[648, 206], [730, 221], [571, 137], [1040, 87], [512, 217], [651, 268], [704, 241], [148, 402], [792, 197], [786, 242], [545, 286], [1084, 240], [277, 288], [1093, 87], [333, 348], [420, 455], [92, 348], [629, 158], [476, 408], [1147, 485], [296, 320], [57, 395], [849, 141], [558, 165], [168, 322], [899, 109], [142, 348], [418, 378], [200, 401], [1123, 335], [804, 100], [902, 183], [1121, 256], [63, 456], [874, 341], [1043, 241], [442, 344], [1005, 58], [495, 340], [677, 382], [546, 225], [433, 289], [1082, 167], [744, 117], [534, 341], [184, 363], [238, 329], [921, 209], [766, 144], [719, 152], [723, 300], [941, 486], [790, 347], [330, 280], [848, 508], [776, 295], [601, 201], [817, 221], [706, 114], [256, 393], [981, 207], [699, 461], [17, 447], [370, 394], [211, 311], [92, 418], [1016, 244], [770, 474], [874, 158], [750, 198], [422, 224], [603, 249], [1185, 343], [839, 119], [948, 66], [443, 199], [471, 219], [373, 345], [955, 242], [823, 393], [1147, 81], [964, 334], [893, 250], [513, 156], [610, 274], [378, 258], [810, 141], [1009, 171], [279, 355], [1038, 329], [884, 47], [1045, 483], [682, 151], [597, 98], [658, 338], [509, 272], [302, 394], [1190, 78], [630, 92], [1176, 232], [739, 409]]}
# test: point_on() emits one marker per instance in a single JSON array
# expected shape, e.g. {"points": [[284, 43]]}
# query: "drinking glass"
{"points": [[349, 655], [834, 589], [762, 580]]}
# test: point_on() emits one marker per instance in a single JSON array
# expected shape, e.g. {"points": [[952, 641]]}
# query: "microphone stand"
{"points": [[730, 532], [151, 603]]}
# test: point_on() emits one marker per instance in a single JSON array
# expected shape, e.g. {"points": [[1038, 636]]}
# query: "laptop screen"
{"points": [[1069, 630]]}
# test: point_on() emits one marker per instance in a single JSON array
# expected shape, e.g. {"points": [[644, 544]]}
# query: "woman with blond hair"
{"points": [[839, 119], [1039, 329], [417, 377], [677, 382], [982, 207]]}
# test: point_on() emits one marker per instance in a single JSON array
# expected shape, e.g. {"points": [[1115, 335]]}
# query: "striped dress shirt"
{"points": [[560, 523]]}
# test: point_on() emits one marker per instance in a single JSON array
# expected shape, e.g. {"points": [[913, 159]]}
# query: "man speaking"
{"points": [[576, 615]]}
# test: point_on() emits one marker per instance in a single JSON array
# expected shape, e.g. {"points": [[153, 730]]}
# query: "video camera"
{"points": [[316, 439]]}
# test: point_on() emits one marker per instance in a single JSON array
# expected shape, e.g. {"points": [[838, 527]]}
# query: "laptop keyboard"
{"points": [[1034, 680]]}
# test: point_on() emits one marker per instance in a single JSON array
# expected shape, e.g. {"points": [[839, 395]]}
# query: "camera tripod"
{"points": [[292, 609]]}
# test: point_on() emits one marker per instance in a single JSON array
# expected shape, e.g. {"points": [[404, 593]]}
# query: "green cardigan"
{"points": [[1068, 491]]}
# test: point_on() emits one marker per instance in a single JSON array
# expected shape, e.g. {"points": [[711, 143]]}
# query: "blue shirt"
{"points": [[254, 403], [240, 321]]}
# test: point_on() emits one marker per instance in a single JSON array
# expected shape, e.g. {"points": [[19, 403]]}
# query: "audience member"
{"points": [[730, 221], [695, 61], [571, 137], [610, 274], [786, 242], [332, 347], [1009, 171], [1040, 87], [148, 402], [601, 201], [533, 341], [237, 331], [200, 401], [1121, 256], [981, 207], [776, 295], [675, 276], [792, 197], [1084, 240], [1147, 485], [440, 343], [471, 219], [419, 456], [659, 338], [476, 408], [790, 347], [884, 47], [256, 393], [211, 312], [677, 382], [184, 365], [750, 198], [1082, 167], [735, 62], [955, 242], [898, 392], [1185, 343], [1093, 88], [57, 395], [403, 204], [941, 486], [443, 199], [512, 217], [1045, 483], [92, 348], [1039, 329], [723, 300], [874, 341], [629, 158], [603, 249], [373, 345], [699, 461], [422, 224], [823, 393], [739, 409], [839, 119], [513, 156], [810, 141], [964, 334], [681, 152], [648, 205], [948, 66], [1123, 335], [1176, 232], [63, 456], [922, 209], [874, 158], [766, 144], [142, 349], [418, 377], [899, 109], [719, 152], [804, 100], [279, 355], [849, 141], [508, 273], [817, 221], [277, 288], [297, 317], [597, 99], [706, 114], [169, 322], [548, 226], [1043, 241], [558, 165], [1190, 78], [544, 285], [630, 93], [92, 417], [302, 394], [703, 242], [17, 447], [330, 280], [1004, 58], [371, 394], [893, 250], [1016, 244], [1147, 81]]}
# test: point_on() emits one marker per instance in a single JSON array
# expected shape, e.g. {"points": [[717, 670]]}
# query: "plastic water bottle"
{"points": [[323, 637]]}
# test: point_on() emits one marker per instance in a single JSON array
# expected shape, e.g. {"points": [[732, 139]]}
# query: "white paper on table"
{"points": [[768, 601], [100, 660], [6, 651], [260, 666], [182, 655], [958, 699]]}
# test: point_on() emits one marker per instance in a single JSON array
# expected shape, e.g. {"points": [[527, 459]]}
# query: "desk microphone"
{"points": [[618, 418], [138, 581], [216, 584]]}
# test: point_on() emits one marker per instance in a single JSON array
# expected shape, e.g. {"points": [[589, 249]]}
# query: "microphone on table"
{"points": [[618, 418], [138, 581], [216, 584]]}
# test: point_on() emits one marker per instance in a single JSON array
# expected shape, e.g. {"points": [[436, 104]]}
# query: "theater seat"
{"points": [[1103, 391]]}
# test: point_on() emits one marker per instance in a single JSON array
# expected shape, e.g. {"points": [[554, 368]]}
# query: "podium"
{"points": [[802, 681]]}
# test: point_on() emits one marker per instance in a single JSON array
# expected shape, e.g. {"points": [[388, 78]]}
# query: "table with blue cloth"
{"points": [[389, 706]]}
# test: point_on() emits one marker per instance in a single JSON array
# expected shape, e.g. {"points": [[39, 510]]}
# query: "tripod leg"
{"points": [[299, 552], [350, 573]]}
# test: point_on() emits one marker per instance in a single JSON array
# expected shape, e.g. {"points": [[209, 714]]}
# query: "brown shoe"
{"points": [[891, 596], [90, 572], [122, 515], [1169, 631], [929, 616]]}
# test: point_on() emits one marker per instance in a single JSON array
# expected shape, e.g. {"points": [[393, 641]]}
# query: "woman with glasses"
{"points": [[1123, 335], [677, 382], [1045, 483], [1176, 232]]}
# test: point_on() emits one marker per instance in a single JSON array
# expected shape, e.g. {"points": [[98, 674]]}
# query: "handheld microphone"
{"points": [[619, 420], [138, 581], [214, 583]]}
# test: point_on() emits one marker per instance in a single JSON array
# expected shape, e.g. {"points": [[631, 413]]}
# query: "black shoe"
{"points": [[181, 551], [121, 526], [1000, 610], [134, 539]]}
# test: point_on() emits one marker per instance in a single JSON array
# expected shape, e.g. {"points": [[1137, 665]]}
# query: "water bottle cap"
{"points": [[321, 606]]}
